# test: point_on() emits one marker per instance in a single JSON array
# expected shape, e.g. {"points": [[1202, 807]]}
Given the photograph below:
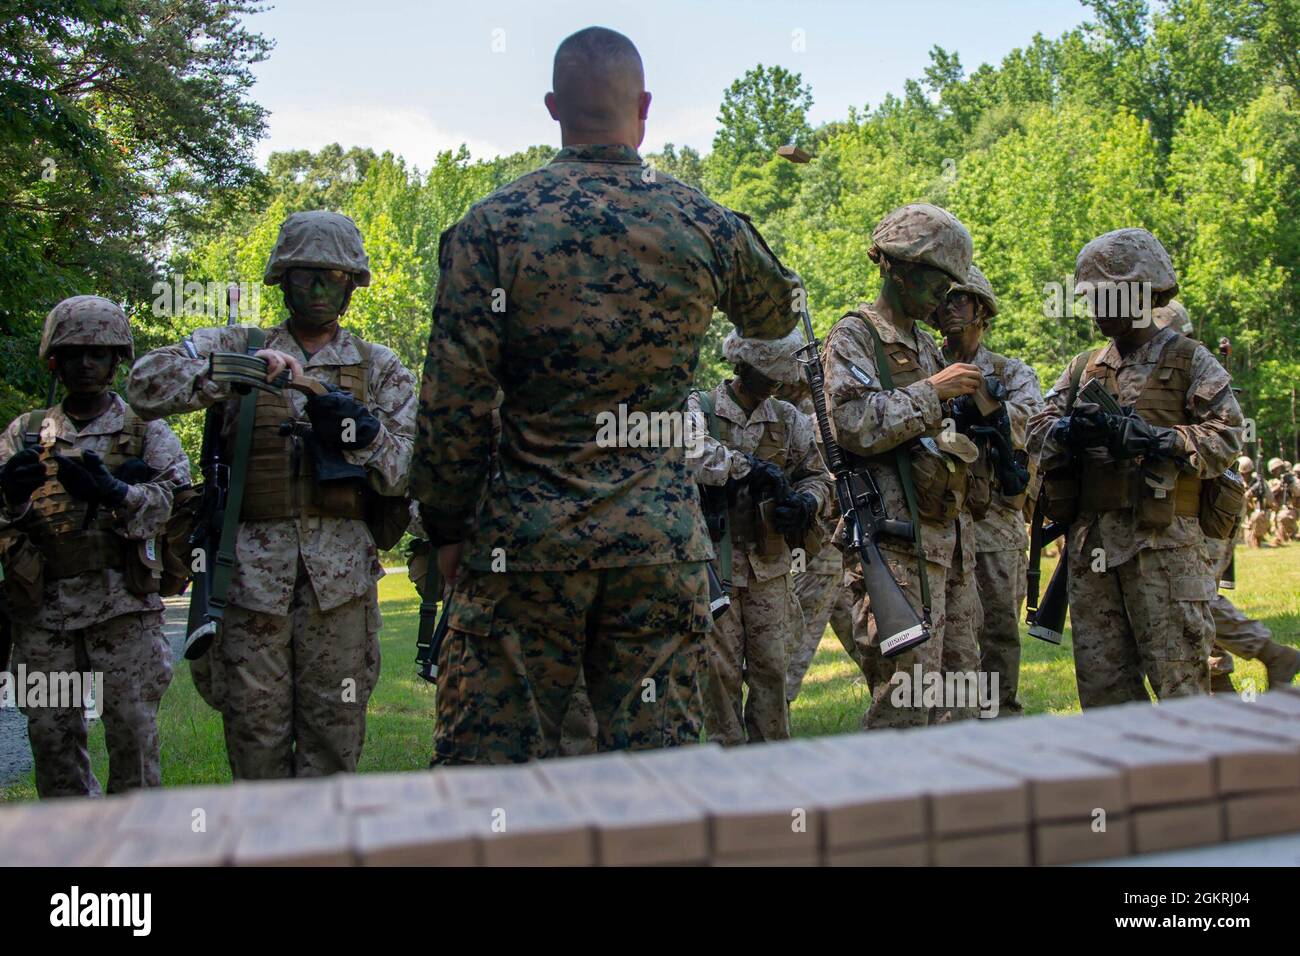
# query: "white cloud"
{"points": [[409, 133]]}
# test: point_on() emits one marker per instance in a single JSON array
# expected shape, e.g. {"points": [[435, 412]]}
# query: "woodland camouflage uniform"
{"points": [[581, 290]]}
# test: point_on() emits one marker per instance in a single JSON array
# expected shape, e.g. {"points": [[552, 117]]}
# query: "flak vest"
{"points": [[281, 481], [771, 447], [942, 481], [73, 537], [1157, 491], [983, 484]]}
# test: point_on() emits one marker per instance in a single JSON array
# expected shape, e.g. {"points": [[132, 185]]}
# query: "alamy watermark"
{"points": [[946, 690], [209, 299], [23, 689], [624, 428]]}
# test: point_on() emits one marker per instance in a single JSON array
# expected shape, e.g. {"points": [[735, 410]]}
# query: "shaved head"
{"points": [[598, 82]]}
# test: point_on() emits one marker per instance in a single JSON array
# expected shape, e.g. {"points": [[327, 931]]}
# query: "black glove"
{"points": [[134, 471], [1086, 427], [328, 412], [965, 413], [21, 475], [1134, 438], [766, 479], [794, 513], [90, 480]]}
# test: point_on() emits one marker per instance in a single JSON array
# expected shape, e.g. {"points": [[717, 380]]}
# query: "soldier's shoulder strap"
{"points": [[131, 440], [1081, 362], [903, 461], [32, 429], [705, 398], [362, 372]]}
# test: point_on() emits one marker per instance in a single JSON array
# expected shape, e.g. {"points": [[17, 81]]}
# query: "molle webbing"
{"points": [[72, 544], [281, 483], [1114, 486]]}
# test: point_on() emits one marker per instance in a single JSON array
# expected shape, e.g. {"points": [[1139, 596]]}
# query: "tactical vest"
{"points": [[281, 482], [745, 530], [941, 480], [983, 481], [71, 538], [1157, 490]]}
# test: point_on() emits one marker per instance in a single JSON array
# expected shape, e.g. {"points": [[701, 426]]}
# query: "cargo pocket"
{"points": [[1191, 631], [465, 692]]}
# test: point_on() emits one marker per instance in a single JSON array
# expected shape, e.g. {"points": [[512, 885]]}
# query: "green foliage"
{"points": [[121, 119]]}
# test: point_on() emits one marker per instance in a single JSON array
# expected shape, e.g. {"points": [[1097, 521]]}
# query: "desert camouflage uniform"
{"points": [[1001, 541], [579, 288], [298, 654], [1285, 490], [92, 622], [823, 596], [1260, 504], [1237, 634], [749, 643], [1149, 611], [870, 422]]}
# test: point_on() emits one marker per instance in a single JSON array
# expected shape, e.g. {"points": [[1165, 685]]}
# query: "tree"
{"points": [[122, 120], [765, 108]]}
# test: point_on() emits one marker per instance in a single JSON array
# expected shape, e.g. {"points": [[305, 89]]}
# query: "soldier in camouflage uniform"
{"points": [[1140, 588], [1259, 504], [298, 653], [1242, 636], [583, 290], [1001, 538], [764, 449], [819, 585], [922, 251], [87, 492], [1285, 491]]}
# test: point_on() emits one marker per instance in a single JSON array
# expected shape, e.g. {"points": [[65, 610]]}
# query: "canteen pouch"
{"points": [[24, 572], [144, 567], [1222, 500], [940, 481], [1156, 499]]}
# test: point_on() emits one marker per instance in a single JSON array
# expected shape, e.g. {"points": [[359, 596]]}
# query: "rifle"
{"points": [[200, 626], [1047, 620], [862, 509], [429, 637]]}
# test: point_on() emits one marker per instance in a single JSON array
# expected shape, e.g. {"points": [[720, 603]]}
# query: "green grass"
{"points": [[399, 734], [834, 697]]}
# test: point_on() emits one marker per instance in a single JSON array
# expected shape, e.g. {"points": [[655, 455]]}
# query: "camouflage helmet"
{"points": [[87, 320], [318, 240], [1173, 316], [773, 357], [1276, 466], [1125, 255], [1295, 469], [923, 233], [1245, 465], [977, 285]]}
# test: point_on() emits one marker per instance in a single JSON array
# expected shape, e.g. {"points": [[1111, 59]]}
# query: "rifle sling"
{"points": [[1034, 574], [223, 565], [904, 462]]}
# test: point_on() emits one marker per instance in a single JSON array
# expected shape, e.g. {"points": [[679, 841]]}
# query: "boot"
{"points": [[1281, 663]]}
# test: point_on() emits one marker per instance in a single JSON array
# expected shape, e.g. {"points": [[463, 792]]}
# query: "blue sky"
{"points": [[417, 78]]}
